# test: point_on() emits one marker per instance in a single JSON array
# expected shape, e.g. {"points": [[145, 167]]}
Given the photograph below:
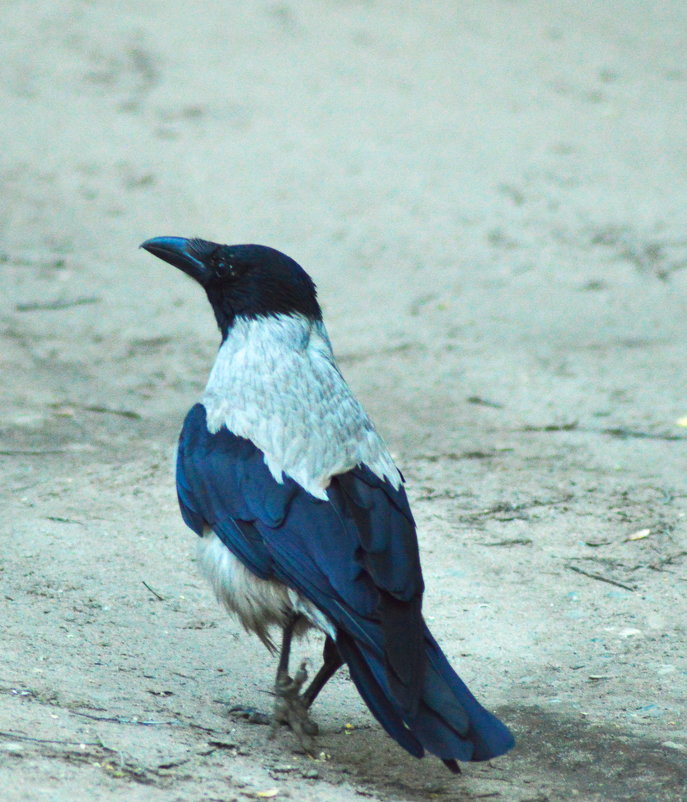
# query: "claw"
{"points": [[289, 708]]}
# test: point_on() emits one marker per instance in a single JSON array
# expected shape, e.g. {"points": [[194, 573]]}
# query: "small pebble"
{"points": [[674, 745], [630, 632]]}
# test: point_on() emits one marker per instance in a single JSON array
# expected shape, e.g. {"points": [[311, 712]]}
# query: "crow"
{"points": [[302, 516]]}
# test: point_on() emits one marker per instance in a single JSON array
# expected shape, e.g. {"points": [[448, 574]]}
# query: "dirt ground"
{"points": [[492, 197]]}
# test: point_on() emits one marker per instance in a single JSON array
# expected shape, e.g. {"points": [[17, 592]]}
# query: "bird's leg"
{"points": [[289, 706], [332, 663], [285, 651], [253, 716]]}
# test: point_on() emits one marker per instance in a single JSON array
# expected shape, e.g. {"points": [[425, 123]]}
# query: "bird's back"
{"points": [[275, 382]]}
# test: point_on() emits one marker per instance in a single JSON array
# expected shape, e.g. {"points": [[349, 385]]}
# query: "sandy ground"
{"points": [[491, 196]]}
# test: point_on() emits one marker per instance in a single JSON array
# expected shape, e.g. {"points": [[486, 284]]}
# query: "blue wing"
{"points": [[355, 556]]}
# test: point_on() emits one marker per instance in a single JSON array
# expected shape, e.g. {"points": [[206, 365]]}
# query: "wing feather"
{"points": [[355, 556]]}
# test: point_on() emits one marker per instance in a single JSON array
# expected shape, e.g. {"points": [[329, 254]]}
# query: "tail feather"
{"points": [[367, 672], [488, 736], [449, 722]]}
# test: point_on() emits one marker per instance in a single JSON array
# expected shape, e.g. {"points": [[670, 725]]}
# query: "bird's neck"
{"points": [[253, 351]]}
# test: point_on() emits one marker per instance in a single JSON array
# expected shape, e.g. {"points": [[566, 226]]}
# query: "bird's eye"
{"points": [[221, 267]]}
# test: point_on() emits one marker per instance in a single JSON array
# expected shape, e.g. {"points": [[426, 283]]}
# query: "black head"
{"points": [[241, 280]]}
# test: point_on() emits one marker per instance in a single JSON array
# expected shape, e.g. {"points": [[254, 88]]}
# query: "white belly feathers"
{"points": [[258, 603]]}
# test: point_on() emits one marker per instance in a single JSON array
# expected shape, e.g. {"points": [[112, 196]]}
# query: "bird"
{"points": [[302, 515]]}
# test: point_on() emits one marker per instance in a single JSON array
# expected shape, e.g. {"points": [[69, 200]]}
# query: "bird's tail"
{"points": [[448, 722]]}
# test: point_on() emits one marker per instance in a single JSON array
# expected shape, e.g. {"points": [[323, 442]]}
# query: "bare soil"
{"points": [[491, 196]]}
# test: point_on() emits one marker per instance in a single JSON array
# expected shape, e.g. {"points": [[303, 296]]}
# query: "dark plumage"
{"points": [[349, 550], [245, 280]]}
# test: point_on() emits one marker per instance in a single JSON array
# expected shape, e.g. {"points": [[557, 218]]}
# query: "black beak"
{"points": [[187, 254]]}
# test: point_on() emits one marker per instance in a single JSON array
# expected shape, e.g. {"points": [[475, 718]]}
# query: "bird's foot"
{"points": [[290, 708]]}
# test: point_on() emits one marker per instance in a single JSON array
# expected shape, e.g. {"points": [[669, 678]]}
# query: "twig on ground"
{"points": [[483, 402], [507, 507], [612, 431], [66, 408], [16, 737], [54, 305], [460, 455], [124, 413], [155, 593], [552, 427], [125, 720], [600, 578], [624, 434], [518, 541]]}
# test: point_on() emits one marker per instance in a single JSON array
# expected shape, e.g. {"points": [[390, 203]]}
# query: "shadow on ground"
{"points": [[557, 757]]}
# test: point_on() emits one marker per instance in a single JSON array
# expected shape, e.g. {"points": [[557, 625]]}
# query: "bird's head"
{"points": [[247, 281]]}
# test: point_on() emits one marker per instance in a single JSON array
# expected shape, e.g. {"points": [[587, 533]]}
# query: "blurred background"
{"points": [[470, 175]]}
